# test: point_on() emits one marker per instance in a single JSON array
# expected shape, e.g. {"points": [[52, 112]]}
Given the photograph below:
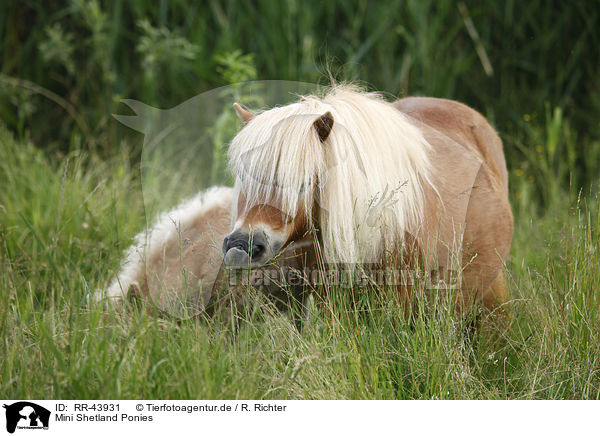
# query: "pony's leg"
{"points": [[498, 293], [494, 302], [115, 292]]}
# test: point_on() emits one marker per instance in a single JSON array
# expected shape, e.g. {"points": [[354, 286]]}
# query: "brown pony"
{"points": [[177, 263], [419, 178]]}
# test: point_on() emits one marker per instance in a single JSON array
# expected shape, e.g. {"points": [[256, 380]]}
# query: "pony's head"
{"points": [[276, 182], [347, 165]]}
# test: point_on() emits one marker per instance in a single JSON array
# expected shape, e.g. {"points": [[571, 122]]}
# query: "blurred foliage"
{"points": [[530, 67]]}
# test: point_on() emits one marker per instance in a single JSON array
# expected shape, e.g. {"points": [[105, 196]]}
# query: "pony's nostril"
{"points": [[258, 249]]}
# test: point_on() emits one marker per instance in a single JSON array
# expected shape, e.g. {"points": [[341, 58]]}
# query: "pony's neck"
{"points": [[373, 194]]}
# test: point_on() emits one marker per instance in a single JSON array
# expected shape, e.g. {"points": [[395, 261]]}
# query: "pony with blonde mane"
{"points": [[176, 264], [419, 178]]}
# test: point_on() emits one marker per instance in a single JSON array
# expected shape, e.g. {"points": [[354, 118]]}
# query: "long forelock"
{"points": [[367, 176], [277, 159]]}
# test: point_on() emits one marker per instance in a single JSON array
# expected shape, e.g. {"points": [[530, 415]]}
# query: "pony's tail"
{"points": [[146, 116]]}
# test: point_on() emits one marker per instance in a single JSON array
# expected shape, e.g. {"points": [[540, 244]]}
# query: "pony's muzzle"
{"points": [[244, 249]]}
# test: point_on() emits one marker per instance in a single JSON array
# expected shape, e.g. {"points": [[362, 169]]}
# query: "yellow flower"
{"points": [[518, 172], [518, 195], [539, 148], [527, 117]]}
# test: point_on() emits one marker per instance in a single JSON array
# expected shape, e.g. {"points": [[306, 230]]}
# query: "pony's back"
{"points": [[179, 257]]}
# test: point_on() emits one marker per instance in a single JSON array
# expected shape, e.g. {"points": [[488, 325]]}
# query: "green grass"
{"points": [[71, 201], [65, 221]]}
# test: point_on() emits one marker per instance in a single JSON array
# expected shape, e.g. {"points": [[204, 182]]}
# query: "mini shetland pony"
{"points": [[177, 263], [420, 178]]}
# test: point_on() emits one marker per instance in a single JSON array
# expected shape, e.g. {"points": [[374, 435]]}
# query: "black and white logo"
{"points": [[26, 415]]}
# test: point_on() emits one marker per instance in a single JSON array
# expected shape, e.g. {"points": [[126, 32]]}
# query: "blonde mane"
{"points": [[366, 177]]}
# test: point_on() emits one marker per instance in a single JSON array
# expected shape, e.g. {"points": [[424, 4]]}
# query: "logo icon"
{"points": [[26, 415]]}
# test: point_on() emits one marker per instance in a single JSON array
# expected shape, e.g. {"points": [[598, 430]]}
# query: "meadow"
{"points": [[71, 199]]}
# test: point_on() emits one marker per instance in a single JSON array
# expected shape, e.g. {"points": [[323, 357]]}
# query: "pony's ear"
{"points": [[242, 113], [323, 126]]}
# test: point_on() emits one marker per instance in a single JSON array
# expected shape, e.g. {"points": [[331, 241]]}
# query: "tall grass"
{"points": [[70, 197], [63, 228]]}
